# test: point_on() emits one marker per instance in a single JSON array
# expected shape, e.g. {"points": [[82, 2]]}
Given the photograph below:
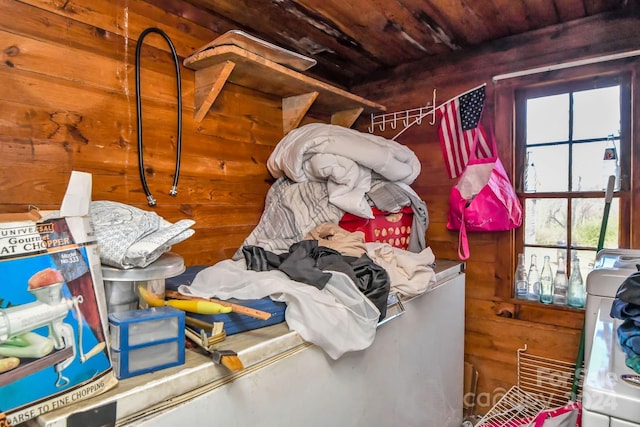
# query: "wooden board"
{"points": [[30, 366], [255, 72], [262, 48]]}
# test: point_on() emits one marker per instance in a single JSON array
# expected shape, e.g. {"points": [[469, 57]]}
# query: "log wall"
{"points": [[497, 326], [67, 102]]}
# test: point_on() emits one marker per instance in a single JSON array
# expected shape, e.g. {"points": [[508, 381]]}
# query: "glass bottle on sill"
{"points": [[560, 283], [546, 282], [576, 295], [533, 280], [520, 278]]}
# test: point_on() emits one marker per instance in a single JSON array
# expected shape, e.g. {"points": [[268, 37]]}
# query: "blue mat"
{"points": [[233, 322]]}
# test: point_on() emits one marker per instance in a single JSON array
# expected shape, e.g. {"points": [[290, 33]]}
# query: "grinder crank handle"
{"points": [[97, 349]]}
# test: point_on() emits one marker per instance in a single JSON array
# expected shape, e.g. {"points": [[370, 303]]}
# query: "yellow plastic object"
{"points": [[200, 307], [150, 298]]}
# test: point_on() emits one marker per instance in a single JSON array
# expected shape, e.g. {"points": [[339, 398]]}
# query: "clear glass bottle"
{"points": [[520, 278], [576, 295], [533, 280], [546, 281], [560, 283]]}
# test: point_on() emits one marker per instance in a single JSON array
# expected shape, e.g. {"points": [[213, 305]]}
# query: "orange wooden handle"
{"points": [[237, 308]]}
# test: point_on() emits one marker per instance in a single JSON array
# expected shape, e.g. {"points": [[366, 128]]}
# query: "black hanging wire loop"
{"points": [[174, 188]]}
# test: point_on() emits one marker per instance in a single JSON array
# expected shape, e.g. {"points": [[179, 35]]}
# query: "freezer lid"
{"points": [[612, 267], [446, 269]]}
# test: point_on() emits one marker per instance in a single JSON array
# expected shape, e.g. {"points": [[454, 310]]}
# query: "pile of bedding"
{"points": [[334, 283], [345, 160]]}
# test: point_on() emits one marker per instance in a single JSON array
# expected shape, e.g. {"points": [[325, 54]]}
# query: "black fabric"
{"points": [[299, 263], [258, 259], [309, 263], [373, 281]]}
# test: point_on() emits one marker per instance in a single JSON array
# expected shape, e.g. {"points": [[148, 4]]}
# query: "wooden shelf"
{"points": [[299, 93]]}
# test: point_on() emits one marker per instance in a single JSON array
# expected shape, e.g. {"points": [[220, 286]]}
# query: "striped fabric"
{"points": [[459, 126]]}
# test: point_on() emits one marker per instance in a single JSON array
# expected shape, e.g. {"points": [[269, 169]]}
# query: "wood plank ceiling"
{"points": [[357, 40]]}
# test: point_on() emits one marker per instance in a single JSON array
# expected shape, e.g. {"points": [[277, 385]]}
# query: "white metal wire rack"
{"points": [[514, 409], [549, 380], [543, 384]]}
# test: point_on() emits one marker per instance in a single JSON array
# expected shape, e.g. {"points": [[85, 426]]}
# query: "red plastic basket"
{"points": [[385, 227]]}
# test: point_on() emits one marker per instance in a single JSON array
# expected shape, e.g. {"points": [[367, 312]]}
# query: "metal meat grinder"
{"points": [[50, 309]]}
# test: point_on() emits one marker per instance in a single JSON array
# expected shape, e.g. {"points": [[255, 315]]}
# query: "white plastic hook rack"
{"points": [[406, 118]]}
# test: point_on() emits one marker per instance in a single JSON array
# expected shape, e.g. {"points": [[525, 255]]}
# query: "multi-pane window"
{"points": [[570, 138]]}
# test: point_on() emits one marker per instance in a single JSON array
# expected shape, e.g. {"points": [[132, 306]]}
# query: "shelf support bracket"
{"points": [[346, 118], [209, 83], [294, 108]]}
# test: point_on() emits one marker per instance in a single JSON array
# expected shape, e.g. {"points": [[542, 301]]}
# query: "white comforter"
{"points": [[345, 159]]}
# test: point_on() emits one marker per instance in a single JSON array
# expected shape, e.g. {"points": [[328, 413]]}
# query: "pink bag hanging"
{"points": [[483, 199]]}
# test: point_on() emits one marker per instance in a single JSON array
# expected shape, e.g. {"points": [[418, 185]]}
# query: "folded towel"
{"points": [[130, 237]]}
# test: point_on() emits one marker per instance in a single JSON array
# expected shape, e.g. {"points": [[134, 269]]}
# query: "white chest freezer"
{"points": [[412, 375]]}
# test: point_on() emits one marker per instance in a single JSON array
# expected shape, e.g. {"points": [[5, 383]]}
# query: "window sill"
{"points": [[532, 311]]}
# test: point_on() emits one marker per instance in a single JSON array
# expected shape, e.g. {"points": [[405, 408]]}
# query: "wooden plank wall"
{"points": [[68, 102], [492, 341]]}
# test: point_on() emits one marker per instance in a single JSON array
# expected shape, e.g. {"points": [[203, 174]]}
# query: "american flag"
{"points": [[459, 125]]}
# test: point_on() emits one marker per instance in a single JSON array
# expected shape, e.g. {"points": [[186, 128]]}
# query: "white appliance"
{"points": [[607, 399], [412, 375]]}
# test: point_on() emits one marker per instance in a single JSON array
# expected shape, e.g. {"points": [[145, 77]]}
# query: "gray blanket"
{"points": [[294, 209], [291, 211]]}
